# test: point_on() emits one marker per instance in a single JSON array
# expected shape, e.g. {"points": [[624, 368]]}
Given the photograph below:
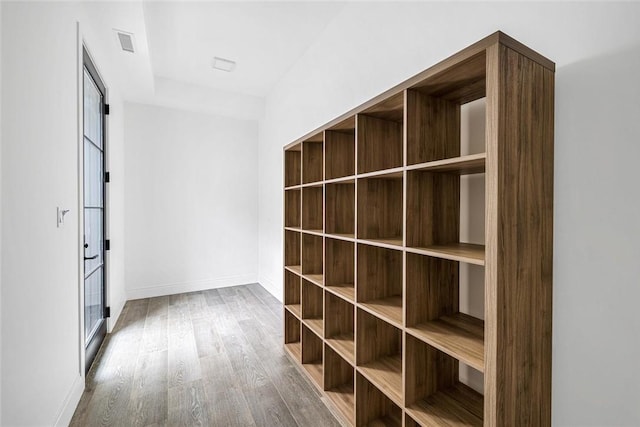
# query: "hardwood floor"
{"points": [[210, 358]]}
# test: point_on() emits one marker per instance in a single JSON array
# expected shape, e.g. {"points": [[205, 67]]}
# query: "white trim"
{"points": [[80, 206], [270, 285], [197, 285], [70, 402]]}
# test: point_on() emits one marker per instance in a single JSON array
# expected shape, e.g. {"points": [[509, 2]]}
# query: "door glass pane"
{"points": [[93, 239], [92, 111], [92, 302], [93, 175]]}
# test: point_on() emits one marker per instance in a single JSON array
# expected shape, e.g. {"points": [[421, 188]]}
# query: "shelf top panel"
{"points": [[420, 79]]}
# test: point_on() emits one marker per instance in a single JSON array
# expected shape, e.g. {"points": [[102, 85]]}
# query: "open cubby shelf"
{"points": [[339, 383], [414, 226], [380, 282], [339, 326]]}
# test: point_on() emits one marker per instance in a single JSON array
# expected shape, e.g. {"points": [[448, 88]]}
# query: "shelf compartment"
{"points": [[380, 282], [380, 208], [312, 355], [340, 208], [340, 151], [433, 310], [312, 249], [292, 206], [379, 136], [374, 408], [340, 262], [339, 326], [379, 354], [312, 159], [339, 383], [292, 335], [291, 288], [435, 217], [292, 250], [435, 396], [292, 166], [312, 212], [312, 306]]}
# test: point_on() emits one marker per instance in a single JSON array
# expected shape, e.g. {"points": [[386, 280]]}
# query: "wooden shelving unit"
{"points": [[418, 246]]}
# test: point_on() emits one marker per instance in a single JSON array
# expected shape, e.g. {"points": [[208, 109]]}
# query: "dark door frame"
{"points": [[92, 347]]}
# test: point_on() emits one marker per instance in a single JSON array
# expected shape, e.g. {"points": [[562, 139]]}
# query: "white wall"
{"points": [[191, 217], [41, 365], [369, 47]]}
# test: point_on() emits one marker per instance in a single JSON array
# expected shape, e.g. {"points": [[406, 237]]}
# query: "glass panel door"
{"points": [[94, 260]]}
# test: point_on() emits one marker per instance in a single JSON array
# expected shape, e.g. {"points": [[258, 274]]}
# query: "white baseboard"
{"points": [[178, 288], [70, 403], [270, 286]]}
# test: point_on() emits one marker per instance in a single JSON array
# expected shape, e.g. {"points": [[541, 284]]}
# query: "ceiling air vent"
{"points": [[223, 64], [126, 41]]}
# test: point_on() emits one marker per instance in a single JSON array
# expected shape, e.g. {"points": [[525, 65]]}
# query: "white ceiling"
{"points": [[264, 38]]}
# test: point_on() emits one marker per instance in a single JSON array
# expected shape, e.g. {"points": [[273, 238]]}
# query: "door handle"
{"points": [[92, 257]]}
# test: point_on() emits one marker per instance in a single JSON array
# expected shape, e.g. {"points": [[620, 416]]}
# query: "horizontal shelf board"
{"points": [[464, 165], [316, 325], [389, 243], [316, 279], [293, 187], [386, 375], [386, 421], [342, 236], [295, 349], [343, 398], [315, 371], [297, 229], [294, 269], [393, 173], [315, 232], [295, 309], [460, 336], [344, 345], [463, 252], [346, 291], [313, 184], [350, 179], [387, 309], [456, 406]]}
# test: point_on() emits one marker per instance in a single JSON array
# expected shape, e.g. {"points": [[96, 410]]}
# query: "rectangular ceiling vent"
{"points": [[126, 41]]}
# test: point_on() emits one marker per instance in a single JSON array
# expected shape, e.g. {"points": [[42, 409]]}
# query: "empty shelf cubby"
{"points": [[379, 274], [339, 326], [340, 209], [312, 159], [374, 408], [293, 166], [312, 211], [312, 307], [379, 354], [292, 207], [379, 135], [435, 394], [292, 293], [340, 268], [312, 355], [433, 313], [292, 250], [292, 335], [434, 215], [339, 383], [339, 149], [312, 254], [380, 209]]}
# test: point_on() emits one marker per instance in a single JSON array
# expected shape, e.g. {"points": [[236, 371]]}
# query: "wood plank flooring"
{"points": [[210, 358]]}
